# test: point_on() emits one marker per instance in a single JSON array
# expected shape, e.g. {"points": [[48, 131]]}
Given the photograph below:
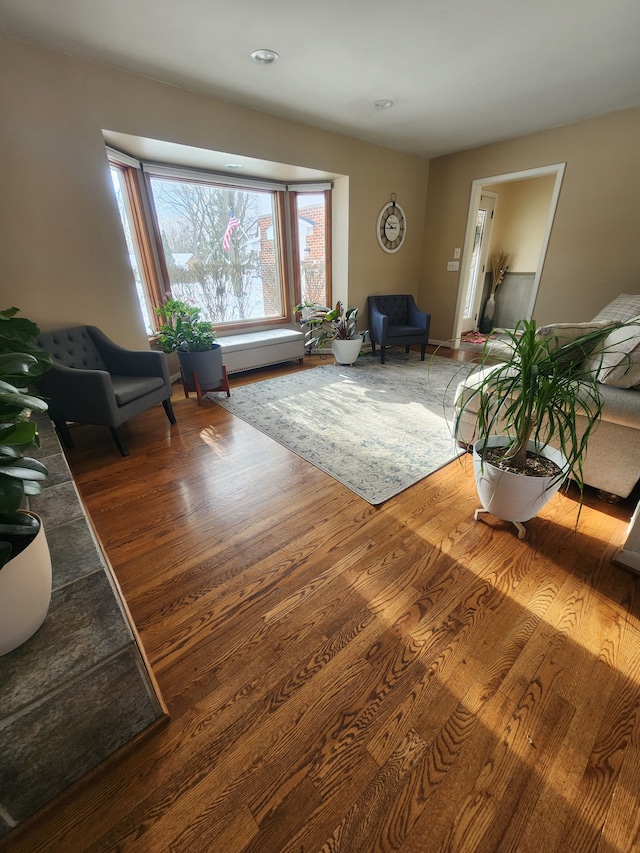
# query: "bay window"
{"points": [[222, 244]]}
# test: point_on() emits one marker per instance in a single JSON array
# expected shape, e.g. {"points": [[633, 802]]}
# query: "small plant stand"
{"points": [[200, 392], [522, 530]]}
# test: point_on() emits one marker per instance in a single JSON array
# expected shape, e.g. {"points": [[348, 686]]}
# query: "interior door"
{"points": [[479, 258]]}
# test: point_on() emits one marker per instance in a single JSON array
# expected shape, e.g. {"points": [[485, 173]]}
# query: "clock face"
{"points": [[392, 227]]}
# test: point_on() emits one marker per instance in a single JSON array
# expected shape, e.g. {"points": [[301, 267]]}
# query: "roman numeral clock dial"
{"points": [[392, 226]]}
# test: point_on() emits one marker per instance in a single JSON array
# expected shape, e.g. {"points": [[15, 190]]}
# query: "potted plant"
{"points": [[25, 563], [525, 411], [194, 340], [306, 308], [345, 342]]}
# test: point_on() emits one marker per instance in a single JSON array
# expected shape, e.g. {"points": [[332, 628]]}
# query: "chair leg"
{"points": [[373, 345], [65, 435], [169, 410], [382, 349], [423, 349], [119, 439], [407, 348]]}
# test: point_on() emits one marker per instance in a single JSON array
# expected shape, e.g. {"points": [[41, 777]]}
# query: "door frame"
{"points": [[556, 169]]}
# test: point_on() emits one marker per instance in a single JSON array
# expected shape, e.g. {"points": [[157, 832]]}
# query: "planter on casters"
{"points": [[203, 371], [346, 351], [514, 497]]}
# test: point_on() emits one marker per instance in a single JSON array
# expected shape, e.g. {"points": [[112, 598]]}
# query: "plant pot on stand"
{"points": [[511, 496], [203, 371], [346, 351]]}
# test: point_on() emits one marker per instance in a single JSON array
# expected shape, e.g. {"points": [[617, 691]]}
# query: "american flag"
{"points": [[233, 224]]}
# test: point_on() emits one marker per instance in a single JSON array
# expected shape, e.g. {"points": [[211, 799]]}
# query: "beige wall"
{"points": [[62, 254], [594, 250], [520, 220]]}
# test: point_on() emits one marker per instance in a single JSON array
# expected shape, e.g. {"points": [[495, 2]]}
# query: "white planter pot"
{"points": [[25, 593], [346, 352], [514, 497]]}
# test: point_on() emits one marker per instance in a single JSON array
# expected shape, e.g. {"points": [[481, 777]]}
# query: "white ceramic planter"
{"points": [[346, 352], [514, 497], [25, 593]]}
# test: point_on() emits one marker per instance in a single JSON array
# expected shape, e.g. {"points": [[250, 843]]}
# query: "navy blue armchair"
{"points": [[397, 321], [95, 381]]}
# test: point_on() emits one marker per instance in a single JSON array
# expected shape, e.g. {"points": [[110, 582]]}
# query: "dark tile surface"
{"points": [[77, 690], [74, 552], [49, 746], [57, 505], [56, 465], [84, 626]]}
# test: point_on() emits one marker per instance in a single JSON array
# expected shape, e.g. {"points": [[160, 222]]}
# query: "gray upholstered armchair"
{"points": [[94, 381], [395, 320]]}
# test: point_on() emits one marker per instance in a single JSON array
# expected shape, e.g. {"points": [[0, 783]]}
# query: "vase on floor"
{"points": [[486, 324]]}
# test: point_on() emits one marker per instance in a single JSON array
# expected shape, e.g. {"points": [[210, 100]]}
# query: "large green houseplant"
{"points": [[525, 411], [25, 564], [194, 341]]}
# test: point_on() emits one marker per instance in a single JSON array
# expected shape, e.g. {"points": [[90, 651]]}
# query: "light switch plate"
{"points": [[456, 253], [452, 266]]}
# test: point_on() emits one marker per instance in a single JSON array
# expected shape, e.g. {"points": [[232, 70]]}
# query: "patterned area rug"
{"points": [[377, 429]]}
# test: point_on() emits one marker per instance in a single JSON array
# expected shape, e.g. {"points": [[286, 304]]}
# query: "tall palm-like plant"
{"points": [[537, 393]]}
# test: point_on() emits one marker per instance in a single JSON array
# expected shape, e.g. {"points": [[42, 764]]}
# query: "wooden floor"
{"points": [[348, 678]]}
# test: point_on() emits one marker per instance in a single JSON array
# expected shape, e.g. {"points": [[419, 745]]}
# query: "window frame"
{"points": [[294, 192], [147, 235]]}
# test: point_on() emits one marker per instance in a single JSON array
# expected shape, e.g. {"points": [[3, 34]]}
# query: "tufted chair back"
{"points": [[396, 307], [73, 347]]}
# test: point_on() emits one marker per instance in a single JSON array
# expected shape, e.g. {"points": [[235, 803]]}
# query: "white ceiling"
{"points": [[461, 73]]}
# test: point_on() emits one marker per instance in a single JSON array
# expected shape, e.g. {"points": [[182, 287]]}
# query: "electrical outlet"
{"points": [[452, 266]]}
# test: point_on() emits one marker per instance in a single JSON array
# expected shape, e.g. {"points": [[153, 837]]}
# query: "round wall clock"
{"points": [[392, 226]]}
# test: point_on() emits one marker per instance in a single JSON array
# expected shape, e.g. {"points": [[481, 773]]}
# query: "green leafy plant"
{"points": [[21, 363], [338, 324], [537, 393], [182, 329]]}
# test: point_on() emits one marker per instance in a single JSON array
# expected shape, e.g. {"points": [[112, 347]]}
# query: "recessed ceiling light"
{"points": [[264, 56], [233, 166], [383, 105]]}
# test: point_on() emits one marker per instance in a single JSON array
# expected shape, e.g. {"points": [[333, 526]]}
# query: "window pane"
{"points": [[220, 248], [312, 247], [118, 185]]}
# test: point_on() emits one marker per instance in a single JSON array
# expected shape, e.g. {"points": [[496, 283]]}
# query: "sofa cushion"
{"points": [[564, 333], [617, 358], [624, 307]]}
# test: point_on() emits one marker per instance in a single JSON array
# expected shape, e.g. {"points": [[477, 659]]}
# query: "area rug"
{"points": [[378, 429]]}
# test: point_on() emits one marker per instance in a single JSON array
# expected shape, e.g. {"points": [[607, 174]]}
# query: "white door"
{"points": [[479, 258]]}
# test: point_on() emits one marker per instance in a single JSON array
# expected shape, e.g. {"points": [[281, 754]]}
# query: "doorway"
{"points": [[466, 300]]}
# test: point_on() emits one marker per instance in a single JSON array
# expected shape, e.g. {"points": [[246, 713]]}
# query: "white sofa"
{"points": [[612, 460]]}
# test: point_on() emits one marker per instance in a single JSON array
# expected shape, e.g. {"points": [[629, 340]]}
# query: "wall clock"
{"points": [[392, 226]]}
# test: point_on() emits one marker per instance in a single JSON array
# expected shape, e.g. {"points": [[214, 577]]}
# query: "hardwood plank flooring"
{"points": [[348, 678]]}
